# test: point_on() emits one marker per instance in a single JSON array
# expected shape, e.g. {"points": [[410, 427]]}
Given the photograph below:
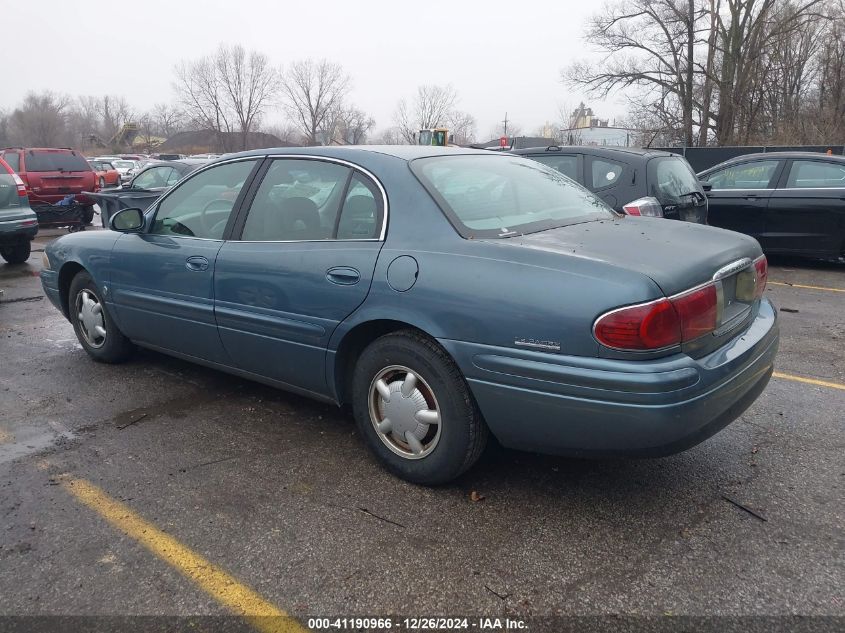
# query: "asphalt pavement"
{"points": [[119, 483]]}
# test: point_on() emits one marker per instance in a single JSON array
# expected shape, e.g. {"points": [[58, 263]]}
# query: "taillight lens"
{"points": [[647, 207], [761, 267], [698, 312], [20, 184], [647, 326], [660, 324]]}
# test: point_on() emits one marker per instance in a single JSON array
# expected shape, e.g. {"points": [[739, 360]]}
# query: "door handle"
{"points": [[343, 275], [196, 263]]}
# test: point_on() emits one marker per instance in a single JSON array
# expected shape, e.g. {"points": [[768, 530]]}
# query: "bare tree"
{"points": [[390, 136], [354, 125], [739, 69], [314, 91], [227, 92], [431, 107], [41, 120], [249, 84], [462, 127], [166, 119]]}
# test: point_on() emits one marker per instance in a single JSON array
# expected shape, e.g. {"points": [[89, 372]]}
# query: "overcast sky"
{"points": [[500, 56]]}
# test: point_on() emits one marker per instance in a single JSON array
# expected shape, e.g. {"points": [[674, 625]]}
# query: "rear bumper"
{"points": [[594, 407], [19, 228]]}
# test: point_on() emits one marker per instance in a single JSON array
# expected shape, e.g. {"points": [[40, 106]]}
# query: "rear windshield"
{"points": [[671, 180], [504, 196], [55, 161], [8, 191]]}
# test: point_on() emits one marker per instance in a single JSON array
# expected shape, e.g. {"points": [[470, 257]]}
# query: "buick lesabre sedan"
{"points": [[445, 294]]}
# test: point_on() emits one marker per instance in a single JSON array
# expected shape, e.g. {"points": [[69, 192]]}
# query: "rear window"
{"points": [[496, 196], [55, 161], [671, 180]]}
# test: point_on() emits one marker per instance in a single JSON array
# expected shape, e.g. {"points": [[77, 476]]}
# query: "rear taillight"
{"points": [[662, 323], [648, 206], [761, 269], [20, 184], [698, 311], [642, 327]]}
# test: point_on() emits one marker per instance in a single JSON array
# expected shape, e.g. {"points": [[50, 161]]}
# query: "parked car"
{"points": [[18, 223], [791, 202], [126, 168], [633, 181], [444, 293], [145, 187], [51, 174], [107, 175]]}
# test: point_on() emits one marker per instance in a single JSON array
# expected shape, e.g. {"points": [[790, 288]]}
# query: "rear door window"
{"points": [[55, 161], [756, 174], [298, 200], [567, 164], [813, 174], [605, 173]]}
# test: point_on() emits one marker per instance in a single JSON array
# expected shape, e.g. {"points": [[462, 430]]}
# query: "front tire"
{"points": [[96, 330], [16, 253], [414, 409]]}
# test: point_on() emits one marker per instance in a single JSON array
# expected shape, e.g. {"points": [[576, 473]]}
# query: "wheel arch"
{"points": [[353, 342], [67, 272]]}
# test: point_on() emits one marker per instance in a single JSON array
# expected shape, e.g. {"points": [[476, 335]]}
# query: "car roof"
{"points": [[403, 152], [603, 150]]}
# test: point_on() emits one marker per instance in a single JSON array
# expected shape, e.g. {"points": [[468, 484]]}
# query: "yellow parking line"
{"points": [[780, 283], [6, 437], [810, 381], [224, 588]]}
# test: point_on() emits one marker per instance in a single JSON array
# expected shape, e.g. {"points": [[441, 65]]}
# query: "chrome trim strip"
{"points": [[732, 268], [259, 157]]}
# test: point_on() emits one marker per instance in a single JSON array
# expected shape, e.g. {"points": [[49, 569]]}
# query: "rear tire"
{"points": [[16, 253], [437, 431], [96, 330]]}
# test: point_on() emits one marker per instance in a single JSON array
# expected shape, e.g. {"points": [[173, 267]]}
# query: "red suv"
{"points": [[50, 175]]}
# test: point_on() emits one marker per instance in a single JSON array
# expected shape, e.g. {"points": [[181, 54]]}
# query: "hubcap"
{"points": [[404, 412], [89, 312]]}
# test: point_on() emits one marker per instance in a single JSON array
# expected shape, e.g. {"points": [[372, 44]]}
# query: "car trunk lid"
{"points": [[676, 255]]}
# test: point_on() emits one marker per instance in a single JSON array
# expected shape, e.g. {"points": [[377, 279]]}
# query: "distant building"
{"points": [[588, 129]]}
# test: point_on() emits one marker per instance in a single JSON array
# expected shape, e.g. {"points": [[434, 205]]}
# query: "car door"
{"points": [[304, 261], [740, 194], [806, 212], [162, 279]]}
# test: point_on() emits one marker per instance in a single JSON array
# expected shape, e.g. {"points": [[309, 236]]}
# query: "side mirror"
{"points": [[705, 185], [127, 221]]}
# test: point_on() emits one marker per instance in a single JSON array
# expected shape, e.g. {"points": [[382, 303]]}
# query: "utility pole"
{"points": [[506, 124]]}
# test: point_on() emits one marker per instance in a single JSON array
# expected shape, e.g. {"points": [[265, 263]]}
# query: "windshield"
{"points": [[498, 196], [55, 161], [671, 181]]}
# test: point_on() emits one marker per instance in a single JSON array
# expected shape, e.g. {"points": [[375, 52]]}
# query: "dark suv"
{"points": [[52, 174], [632, 181]]}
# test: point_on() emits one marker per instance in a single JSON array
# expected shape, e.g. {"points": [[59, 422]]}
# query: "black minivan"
{"points": [[633, 181]]}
